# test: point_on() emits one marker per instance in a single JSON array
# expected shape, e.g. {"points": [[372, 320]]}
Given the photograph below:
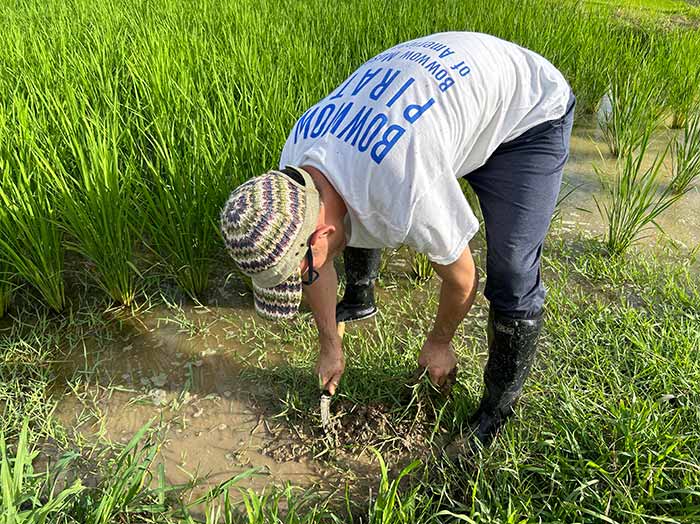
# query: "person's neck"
{"points": [[333, 204]]}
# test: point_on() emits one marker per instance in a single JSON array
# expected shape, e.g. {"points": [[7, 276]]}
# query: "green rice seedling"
{"points": [[30, 242], [588, 63], [29, 236], [181, 210], [685, 155], [682, 68], [24, 494], [633, 109], [635, 197], [6, 287], [96, 195], [185, 151], [421, 267]]}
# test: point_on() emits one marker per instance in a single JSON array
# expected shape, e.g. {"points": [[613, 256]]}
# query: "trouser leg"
{"points": [[517, 190], [361, 270]]}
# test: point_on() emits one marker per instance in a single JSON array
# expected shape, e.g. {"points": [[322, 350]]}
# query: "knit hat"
{"points": [[266, 224]]}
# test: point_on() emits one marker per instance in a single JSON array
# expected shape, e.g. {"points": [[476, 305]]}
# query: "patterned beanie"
{"points": [[266, 224]]}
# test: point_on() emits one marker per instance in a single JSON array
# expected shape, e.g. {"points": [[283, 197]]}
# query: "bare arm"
{"points": [[321, 297], [457, 292]]}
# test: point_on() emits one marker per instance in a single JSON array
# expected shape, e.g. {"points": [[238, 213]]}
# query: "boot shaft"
{"points": [[512, 348], [361, 265]]}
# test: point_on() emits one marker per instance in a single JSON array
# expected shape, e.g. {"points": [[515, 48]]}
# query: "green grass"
{"points": [[666, 6], [124, 126], [607, 429]]}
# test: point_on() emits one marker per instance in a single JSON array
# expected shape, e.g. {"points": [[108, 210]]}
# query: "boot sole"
{"points": [[355, 316]]}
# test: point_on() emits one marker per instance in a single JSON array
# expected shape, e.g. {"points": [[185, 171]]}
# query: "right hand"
{"points": [[440, 361], [330, 366]]}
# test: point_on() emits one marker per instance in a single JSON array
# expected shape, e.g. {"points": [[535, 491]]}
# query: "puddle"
{"points": [[184, 372], [210, 392], [192, 373], [681, 222]]}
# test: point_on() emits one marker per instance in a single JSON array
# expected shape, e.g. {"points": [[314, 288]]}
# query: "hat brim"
{"points": [[280, 302]]}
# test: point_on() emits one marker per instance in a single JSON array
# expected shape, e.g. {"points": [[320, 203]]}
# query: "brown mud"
{"points": [[189, 370]]}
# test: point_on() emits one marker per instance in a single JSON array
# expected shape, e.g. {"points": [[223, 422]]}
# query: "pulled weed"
{"points": [[421, 266]]}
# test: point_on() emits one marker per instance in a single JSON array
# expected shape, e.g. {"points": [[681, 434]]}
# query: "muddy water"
{"points": [[680, 223], [182, 370]]}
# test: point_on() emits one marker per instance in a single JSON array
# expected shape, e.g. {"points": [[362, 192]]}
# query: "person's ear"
{"points": [[321, 232]]}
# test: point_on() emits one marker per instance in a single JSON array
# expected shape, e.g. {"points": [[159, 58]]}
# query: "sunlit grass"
{"points": [[30, 238], [122, 129]]}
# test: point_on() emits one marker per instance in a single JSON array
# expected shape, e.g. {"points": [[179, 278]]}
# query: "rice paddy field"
{"points": [[137, 385]]}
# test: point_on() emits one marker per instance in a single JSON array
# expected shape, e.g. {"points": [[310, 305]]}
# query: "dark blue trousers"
{"points": [[517, 190]]}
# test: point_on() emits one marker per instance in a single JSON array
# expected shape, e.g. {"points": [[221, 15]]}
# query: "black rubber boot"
{"points": [[361, 270], [512, 347]]}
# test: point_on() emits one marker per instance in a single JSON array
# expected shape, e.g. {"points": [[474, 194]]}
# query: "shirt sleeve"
{"points": [[442, 222]]}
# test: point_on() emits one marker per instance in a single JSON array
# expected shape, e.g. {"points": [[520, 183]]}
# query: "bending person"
{"points": [[376, 164]]}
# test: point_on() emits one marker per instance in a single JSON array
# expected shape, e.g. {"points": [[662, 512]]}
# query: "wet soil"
{"points": [[189, 370], [194, 371], [184, 371]]}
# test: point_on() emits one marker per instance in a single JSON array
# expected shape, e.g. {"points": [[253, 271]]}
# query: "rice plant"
{"points": [[635, 197], [181, 207], [632, 109], [96, 194], [6, 286], [184, 143], [685, 155], [682, 67], [30, 242], [29, 236]]}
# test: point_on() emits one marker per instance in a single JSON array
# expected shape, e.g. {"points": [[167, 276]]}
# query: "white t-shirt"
{"points": [[394, 138]]}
